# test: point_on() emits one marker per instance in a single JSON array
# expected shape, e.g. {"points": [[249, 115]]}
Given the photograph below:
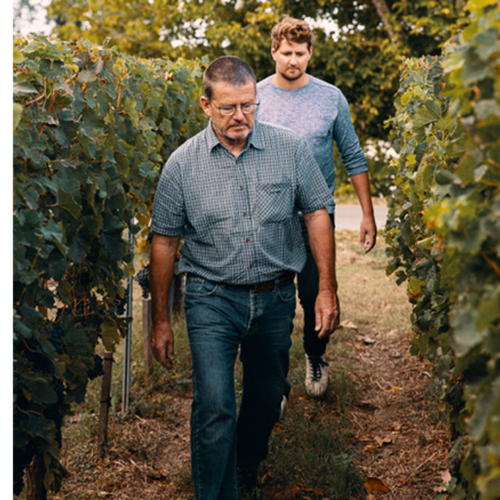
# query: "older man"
{"points": [[319, 113], [233, 192]]}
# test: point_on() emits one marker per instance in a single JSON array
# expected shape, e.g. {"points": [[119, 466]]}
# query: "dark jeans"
{"points": [[222, 319], [307, 281]]}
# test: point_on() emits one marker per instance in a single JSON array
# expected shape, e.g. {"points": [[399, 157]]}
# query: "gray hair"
{"points": [[227, 69]]}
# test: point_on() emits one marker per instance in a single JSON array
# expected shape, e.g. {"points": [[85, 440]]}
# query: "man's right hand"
{"points": [[162, 343], [327, 313]]}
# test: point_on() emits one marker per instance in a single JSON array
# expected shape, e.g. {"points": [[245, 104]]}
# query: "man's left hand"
{"points": [[327, 310]]}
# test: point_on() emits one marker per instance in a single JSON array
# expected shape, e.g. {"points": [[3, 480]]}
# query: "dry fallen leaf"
{"points": [[368, 340], [369, 448], [439, 489], [446, 476], [382, 441], [348, 324], [374, 484], [363, 437]]}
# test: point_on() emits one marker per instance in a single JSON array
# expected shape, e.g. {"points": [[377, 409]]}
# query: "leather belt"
{"points": [[267, 286]]}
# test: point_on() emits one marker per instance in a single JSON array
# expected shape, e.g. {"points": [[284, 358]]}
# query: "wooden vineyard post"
{"points": [[35, 488], [105, 402], [146, 335]]}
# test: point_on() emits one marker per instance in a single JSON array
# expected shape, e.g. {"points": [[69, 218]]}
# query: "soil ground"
{"points": [[399, 442]]}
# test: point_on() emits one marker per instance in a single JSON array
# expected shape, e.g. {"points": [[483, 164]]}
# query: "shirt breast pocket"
{"points": [[274, 202]]}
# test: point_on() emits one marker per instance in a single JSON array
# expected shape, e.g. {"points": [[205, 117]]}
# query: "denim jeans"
{"points": [[307, 281], [222, 320]]}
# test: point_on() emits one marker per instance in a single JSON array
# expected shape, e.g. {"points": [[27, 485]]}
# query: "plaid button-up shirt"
{"points": [[239, 216]]}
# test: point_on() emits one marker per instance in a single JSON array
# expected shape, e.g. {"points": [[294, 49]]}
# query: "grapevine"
{"points": [[92, 130], [443, 236]]}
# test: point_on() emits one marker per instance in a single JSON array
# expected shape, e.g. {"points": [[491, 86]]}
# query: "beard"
{"points": [[292, 77], [229, 138]]}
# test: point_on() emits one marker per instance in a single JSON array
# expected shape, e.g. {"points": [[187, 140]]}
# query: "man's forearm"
{"points": [[368, 228], [361, 184], [322, 242], [161, 271]]}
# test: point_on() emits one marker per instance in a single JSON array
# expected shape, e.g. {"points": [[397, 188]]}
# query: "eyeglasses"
{"points": [[246, 109]]}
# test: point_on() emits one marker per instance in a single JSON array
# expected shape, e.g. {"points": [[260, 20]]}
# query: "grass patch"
{"points": [[310, 458], [310, 454], [368, 297]]}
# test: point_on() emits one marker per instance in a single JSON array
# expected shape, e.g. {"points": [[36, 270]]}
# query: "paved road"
{"points": [[349, 216]]}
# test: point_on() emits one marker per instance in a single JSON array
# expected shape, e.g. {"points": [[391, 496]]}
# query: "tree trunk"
{"points": [[384, 13]]}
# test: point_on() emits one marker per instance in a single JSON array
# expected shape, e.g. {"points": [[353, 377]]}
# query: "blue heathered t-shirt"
{"points": [[319, 113]]}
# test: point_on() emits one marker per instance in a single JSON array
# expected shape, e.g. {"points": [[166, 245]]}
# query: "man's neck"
{"points": [[286, 84]]}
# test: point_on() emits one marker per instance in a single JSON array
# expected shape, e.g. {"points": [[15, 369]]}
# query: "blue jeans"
{"points": [[308, 282], [221, 319]]}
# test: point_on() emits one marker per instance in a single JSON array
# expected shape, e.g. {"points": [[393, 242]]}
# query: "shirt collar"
{"points": [[255, 138]]}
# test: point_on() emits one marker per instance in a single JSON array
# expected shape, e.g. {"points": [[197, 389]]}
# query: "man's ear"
{"points": [[205, 104]]}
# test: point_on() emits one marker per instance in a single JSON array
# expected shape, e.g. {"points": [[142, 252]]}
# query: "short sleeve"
{"points": [[169, 214], [312, 190]]}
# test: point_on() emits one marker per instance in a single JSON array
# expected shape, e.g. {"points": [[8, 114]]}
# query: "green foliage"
{"points": [[444, 232], [92, 129], [362, 57]]}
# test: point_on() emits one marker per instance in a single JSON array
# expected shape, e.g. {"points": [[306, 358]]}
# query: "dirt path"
{"points": [[400, 446], [400, 441]]}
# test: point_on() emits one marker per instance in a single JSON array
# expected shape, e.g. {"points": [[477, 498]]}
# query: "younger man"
{"points": [[319, 113]]}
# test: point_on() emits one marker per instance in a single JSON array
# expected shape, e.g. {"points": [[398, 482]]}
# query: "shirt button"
{"points": [[251, 265], [241, 188], [244, 214], [247, 240]]}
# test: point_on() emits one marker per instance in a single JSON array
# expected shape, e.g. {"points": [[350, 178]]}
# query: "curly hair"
{"points": [[292, 30]]}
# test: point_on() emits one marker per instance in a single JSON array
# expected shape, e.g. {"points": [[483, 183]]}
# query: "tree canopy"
{"points": [[362, 56]]}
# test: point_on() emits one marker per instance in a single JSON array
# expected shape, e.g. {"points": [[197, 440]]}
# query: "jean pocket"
{"points": [[199, 287], [286, 293]]}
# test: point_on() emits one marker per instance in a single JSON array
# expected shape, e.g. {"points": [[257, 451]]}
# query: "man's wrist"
{"points": [[161, 322], [327, 287]]}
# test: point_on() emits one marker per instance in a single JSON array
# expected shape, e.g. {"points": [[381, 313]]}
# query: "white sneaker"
{"points": [[316, 375]]}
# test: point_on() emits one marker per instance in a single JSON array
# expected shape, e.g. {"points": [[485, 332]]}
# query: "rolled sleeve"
{"points": [[169, 215]]}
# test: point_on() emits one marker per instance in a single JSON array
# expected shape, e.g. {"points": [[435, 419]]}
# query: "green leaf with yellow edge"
{"points": [[17, 113], [130, 107], [110, 335]]}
